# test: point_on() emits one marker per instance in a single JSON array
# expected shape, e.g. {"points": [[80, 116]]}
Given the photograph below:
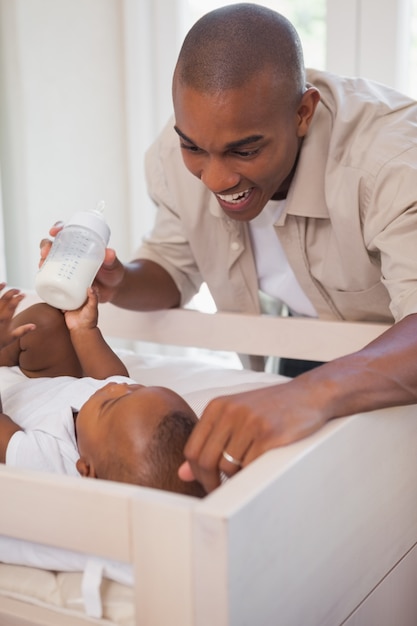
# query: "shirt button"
{"points": [[235, 246]]}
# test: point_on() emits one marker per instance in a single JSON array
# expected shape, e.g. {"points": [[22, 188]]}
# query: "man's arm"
{"points": [[7, 429], [140, 285], [382, 374]]}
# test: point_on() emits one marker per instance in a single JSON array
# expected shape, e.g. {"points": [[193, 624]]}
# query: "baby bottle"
{"points": [[73, 261]]}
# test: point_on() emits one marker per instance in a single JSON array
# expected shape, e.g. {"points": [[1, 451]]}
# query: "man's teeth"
{"points": [[234, 198]]}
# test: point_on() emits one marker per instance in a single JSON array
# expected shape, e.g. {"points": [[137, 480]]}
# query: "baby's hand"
{"points": [[9, 302], [86, 317]]}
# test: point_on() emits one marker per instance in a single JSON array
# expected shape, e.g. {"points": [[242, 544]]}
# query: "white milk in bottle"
{"points": [[73, 261]]}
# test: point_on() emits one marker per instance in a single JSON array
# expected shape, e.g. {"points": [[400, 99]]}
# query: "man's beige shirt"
{"points": [[349, 228]]}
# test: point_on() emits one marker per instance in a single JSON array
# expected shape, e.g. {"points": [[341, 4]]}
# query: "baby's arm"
{"points": [[96, 357]]}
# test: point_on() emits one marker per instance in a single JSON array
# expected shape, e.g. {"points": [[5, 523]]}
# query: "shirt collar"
{"points": [[306, 196]]}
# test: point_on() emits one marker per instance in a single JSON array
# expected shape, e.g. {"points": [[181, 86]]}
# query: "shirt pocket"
{"points": [[367, 305]]}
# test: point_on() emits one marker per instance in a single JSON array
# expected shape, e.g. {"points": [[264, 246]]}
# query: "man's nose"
{"points": [[218, 176]]}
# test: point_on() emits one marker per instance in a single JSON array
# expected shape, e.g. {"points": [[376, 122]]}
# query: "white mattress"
{"points": [[63, 592]]}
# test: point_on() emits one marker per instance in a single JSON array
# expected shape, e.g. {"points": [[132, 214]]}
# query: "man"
{"points": [[302, 187]]}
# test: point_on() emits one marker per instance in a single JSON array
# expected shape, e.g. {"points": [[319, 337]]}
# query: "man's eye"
{"points": [[189, 148], [246, 153]]}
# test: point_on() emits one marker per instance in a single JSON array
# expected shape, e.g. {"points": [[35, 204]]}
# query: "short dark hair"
{"points": [[230, 45], [165, 454], [157, 467]]}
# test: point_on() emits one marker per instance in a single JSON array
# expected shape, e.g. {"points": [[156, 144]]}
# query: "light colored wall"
{"points": [[64, 141], [81, 98], [370, 38]]}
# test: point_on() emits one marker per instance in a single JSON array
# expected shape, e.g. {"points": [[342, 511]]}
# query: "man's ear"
{"points": [[85, 468], [306, 110]]}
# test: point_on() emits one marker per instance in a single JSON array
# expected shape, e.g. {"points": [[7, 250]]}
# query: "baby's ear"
{"points": [[84, 468]]}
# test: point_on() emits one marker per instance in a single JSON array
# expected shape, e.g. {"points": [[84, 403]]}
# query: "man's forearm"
{"points": [[146, 287], [382, 374]]}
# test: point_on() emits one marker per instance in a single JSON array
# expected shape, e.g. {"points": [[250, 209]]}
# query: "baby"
{"points": [[74, 408]]}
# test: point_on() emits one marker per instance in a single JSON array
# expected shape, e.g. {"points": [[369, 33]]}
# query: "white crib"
{"points": [[320, 533]]}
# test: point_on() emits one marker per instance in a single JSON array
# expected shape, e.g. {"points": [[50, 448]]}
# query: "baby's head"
{"points": [[136, 434]]}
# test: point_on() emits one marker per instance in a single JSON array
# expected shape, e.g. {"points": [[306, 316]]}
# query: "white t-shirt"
{"points": [[43, 407], [275, 275]]}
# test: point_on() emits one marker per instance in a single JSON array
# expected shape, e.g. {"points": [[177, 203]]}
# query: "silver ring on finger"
{"points": [[231, 459]]}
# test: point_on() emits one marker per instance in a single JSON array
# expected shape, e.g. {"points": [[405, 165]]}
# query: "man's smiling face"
{"points": [[241, 143]]}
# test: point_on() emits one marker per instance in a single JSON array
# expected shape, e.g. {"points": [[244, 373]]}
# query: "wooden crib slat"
{"points": [[162, 539], [71, 513], [291, 337], [299, 338]]}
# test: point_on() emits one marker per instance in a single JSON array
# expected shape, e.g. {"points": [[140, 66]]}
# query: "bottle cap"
{"points": [[93, 220]]}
